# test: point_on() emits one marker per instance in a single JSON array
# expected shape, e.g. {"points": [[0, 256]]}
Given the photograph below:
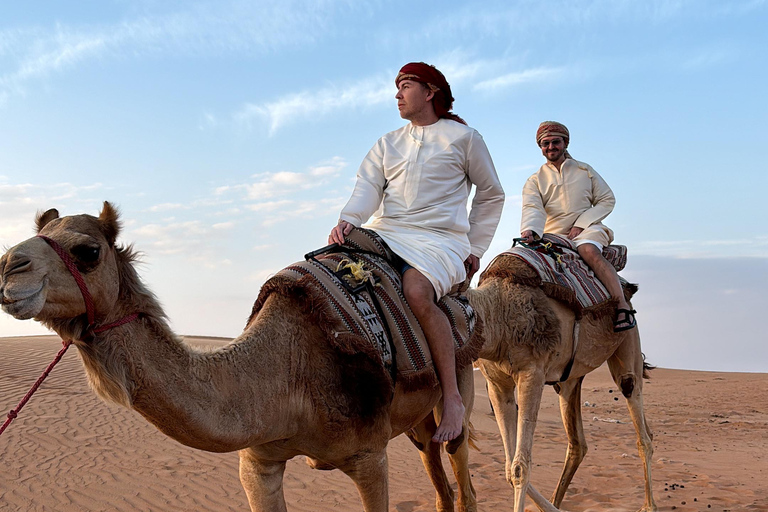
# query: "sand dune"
{"points": [[69, 451]]}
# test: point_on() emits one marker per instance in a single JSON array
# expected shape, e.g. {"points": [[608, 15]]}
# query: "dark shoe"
{"points": [[624, 316]]}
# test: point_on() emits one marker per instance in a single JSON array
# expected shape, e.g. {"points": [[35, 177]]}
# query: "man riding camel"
{"points": [[415, 183], [567, 197]]}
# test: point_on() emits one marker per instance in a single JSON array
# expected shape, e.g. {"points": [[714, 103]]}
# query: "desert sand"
{"points": [[69, 451]]}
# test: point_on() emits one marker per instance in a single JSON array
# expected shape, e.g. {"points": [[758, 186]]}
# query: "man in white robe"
{"points": [[415, 182], [567, 197]]}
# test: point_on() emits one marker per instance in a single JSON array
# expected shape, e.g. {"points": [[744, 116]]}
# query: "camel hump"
{"points": [[506, 266]]}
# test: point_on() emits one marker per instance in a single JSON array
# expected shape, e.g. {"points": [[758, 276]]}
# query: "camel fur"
{"points": [[529, 341], [279, 390]]}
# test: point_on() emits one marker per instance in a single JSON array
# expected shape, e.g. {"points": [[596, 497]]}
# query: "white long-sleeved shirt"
{"points": [[416, 181], [575, 196]]}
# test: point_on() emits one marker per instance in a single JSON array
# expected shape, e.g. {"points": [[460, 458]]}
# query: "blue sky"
{"points": [[229, 134]]}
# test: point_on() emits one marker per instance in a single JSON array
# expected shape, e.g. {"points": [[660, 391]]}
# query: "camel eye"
{"points": [[86, 253]]}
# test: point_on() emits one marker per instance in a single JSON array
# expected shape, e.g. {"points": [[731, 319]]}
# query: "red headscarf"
{"points": [[431, 77]]}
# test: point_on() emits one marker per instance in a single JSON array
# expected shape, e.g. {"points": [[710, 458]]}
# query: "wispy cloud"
{"points": [[526, 18], [748, 248], [285, 183], [461, 66], [194, 239], [307, 104], [210, 29], [164, 207], [304, 210], [520, 77], [19, 202]]}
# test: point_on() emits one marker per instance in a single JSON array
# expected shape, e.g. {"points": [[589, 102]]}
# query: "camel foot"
{"points": [[320, 465], [452, 420]]}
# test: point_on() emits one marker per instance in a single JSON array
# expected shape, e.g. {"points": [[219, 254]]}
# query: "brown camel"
{"points": [[277, 391], [529, 343]]}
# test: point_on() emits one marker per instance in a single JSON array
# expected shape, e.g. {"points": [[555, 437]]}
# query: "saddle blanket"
{"points": [[357, 299], [562, 274]]}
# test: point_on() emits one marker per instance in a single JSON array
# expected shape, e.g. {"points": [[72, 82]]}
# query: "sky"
{"points": [[229, 133]]}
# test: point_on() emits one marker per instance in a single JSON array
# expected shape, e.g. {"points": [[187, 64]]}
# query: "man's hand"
{"points": [[342, 229], [527, 235], [574, 232], [472, 264]]}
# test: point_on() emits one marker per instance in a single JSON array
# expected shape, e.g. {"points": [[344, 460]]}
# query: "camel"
{"points": [[529, 342], [277, 391]]}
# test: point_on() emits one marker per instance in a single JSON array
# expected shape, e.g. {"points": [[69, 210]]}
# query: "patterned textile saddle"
{"points": [[356, 297], [555, 266]]}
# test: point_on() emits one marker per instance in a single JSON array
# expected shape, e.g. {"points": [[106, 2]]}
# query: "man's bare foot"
{"points": [[452, 420]]}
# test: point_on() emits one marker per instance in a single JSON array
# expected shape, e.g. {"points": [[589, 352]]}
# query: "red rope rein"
{"points": [[15, 412]]}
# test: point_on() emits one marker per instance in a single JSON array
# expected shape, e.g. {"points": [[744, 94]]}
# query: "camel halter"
{"points": [[90, 329]]}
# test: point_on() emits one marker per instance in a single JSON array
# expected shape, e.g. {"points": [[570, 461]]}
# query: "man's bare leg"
{"points": [[421, 298], [607, 275]]}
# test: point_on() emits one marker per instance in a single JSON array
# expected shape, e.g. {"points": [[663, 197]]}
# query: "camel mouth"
{"points": [[23, 308]]}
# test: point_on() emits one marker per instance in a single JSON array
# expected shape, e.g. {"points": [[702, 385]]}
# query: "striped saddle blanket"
{"points": [[356, 297], [561, 273]]}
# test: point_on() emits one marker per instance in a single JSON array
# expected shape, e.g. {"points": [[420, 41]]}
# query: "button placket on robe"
{"points": [[414, 168]]}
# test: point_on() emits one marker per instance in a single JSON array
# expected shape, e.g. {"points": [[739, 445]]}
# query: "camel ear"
{"points": [[110, 223], [44, 218]]}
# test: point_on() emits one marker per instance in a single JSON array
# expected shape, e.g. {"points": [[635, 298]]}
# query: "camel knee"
{"points": [[577, 452], [627, 385], [518, 473], [645, 444]]}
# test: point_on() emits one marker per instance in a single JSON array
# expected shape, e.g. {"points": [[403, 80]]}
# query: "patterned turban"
{"points": [[431, 77], [552, 129]]}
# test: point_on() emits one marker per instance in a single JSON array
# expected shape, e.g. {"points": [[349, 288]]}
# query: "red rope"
{"points": [[15, 412], [129, 318], [89, 308]]}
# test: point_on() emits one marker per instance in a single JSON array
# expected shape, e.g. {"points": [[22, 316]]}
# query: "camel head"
{"points": [[36, 283]]}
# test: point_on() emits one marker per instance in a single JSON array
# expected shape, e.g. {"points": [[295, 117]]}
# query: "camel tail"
{"points": [[647, 367]]}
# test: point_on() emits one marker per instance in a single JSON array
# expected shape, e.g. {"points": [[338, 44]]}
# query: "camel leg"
{"points": [[530, 388], [501, 393], [570, 412], [458, 453], [626, 366], [458, 449], [369, 471], [263, 483], [421, 437]]}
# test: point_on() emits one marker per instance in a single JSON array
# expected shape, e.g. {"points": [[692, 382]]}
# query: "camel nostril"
{"points": [[17, 265]]}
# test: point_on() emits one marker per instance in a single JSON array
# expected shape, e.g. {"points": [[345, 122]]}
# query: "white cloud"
{"points": [[20, 202], [268, 185], [164, 207], [520, 77], [201, 29], [704, 249], [307, 104], [192, 239], [305, 210]]}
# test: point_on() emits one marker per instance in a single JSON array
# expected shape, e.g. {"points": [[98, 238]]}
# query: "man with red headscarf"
{"points": [[414, 186], [567, 197]]}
